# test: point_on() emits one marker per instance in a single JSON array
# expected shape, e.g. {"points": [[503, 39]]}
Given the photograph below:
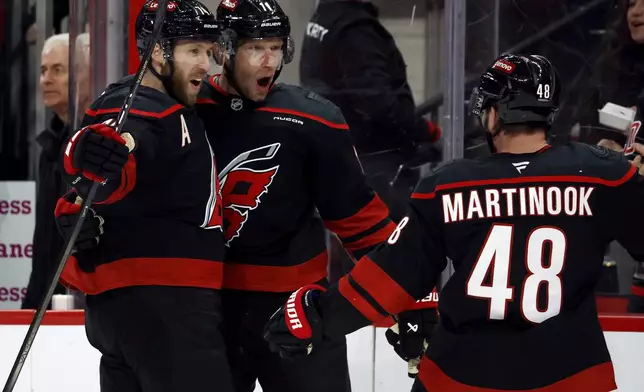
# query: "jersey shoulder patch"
{"points": [[601, 162], [600, 151]]}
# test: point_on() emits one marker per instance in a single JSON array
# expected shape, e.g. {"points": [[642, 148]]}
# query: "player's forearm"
{"points": [[339, 315], [365, 296], [366, 228]]}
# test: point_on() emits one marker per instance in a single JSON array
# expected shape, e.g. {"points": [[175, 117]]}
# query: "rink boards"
{"points": [[61, 359]]}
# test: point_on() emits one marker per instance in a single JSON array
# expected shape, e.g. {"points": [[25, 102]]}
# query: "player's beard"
{"points": [[180, 87]]}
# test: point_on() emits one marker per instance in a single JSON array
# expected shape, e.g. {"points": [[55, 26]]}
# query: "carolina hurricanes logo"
{"points": [[230, 4], [242, 187], [632, 135], [154, 5]]}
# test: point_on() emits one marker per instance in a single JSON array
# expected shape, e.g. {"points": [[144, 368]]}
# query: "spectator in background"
{"points": [[351, 59], [54, 85], [619, 77], [61, 11]]}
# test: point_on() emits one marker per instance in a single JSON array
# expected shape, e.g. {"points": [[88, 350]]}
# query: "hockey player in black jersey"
{"points": [[153, 305], [284, 153], [526, 230]]}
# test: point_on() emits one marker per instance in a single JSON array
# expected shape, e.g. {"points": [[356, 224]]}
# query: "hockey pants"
{"points": [[158, 339]]}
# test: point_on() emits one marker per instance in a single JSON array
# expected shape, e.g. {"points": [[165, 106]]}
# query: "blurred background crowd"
{"points": [[400, 70]]}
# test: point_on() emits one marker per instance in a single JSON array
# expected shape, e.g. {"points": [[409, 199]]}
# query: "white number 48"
{"points": [[496, 258], [543, 91]]}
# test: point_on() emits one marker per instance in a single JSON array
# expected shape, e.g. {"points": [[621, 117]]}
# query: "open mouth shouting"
{"points": [[196, 83], [264, 83]]}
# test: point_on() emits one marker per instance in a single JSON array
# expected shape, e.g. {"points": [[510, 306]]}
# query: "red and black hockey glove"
{"points": [[96, 152], [409, 336], [67, 213], [295, 328], [435, 131]]}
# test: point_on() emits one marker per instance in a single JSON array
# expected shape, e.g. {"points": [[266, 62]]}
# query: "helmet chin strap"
{"points": [[490, 136]]}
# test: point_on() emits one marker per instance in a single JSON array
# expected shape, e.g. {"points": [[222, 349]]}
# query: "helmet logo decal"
{"points": [[504, 66], [172, 6], [236, 104], [230, 4]]}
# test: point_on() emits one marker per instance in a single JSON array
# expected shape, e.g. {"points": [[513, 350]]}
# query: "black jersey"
{"points": [[526, 234], [163, 222], [281, 162]]}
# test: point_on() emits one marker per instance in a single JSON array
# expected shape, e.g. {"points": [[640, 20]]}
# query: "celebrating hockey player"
{"points": [[526, 230], [153, 305], [283, 153]]}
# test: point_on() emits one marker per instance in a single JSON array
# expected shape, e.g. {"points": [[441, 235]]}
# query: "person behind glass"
{"points": [[47, 243], [634, 149], [619, 77], [351, 59], [59, 13]]}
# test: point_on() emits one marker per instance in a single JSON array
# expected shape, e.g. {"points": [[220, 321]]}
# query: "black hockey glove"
{"points": [[96, 152], [67, 214], [295, 328], [409, 336]]}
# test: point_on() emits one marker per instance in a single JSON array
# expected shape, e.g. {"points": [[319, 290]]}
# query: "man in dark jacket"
{"points": [[351, 59], [47, 243]]}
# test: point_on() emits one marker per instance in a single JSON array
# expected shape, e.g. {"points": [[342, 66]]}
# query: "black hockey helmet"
{"points": [[248, 20], [185, 19], [523, 89], [254, 19]]}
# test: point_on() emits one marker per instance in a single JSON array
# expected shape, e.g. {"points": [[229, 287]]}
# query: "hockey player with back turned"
{"points": [[526, 230], [153, 305], [283, 152]]}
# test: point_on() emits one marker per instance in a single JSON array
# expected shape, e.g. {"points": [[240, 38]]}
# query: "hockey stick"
{"points": [[69, 245]]}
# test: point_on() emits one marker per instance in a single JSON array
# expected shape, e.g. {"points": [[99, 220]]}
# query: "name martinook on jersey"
{"points": [[524, 201]]}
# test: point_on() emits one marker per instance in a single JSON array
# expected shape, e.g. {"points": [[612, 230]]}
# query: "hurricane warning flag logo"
{"points": [[243, 187]]}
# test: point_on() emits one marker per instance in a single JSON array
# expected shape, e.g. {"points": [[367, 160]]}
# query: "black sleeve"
{"points": [[348, 206], [386, 99], [140, 165], [392, 278]]}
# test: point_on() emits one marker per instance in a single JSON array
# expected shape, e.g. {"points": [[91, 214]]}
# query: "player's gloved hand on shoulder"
{"points": [[409, 336], [295, 328], [96, 152], [67, 213]]}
